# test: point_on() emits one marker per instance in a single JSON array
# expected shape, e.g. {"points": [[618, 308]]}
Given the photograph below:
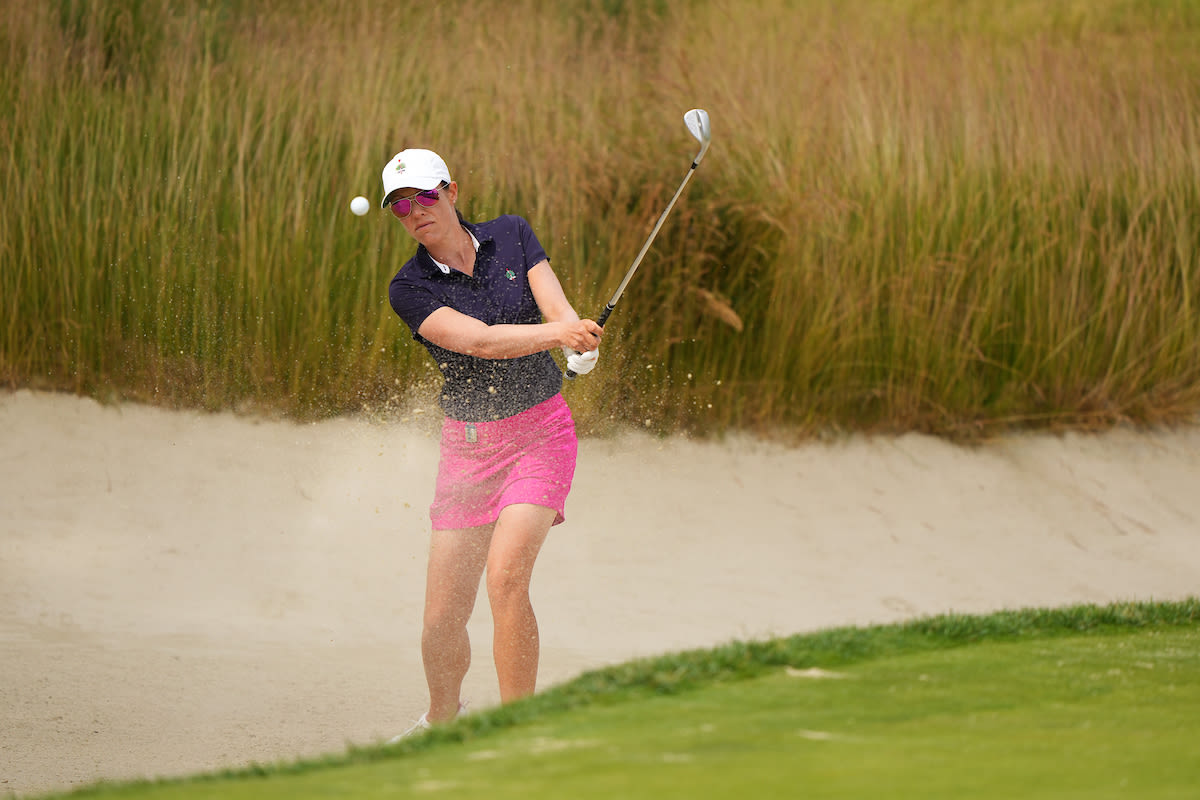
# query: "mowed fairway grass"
{"points": [[1087, 702]]}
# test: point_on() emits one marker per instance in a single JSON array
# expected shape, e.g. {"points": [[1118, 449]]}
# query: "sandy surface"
{"points": [[182, 592]]}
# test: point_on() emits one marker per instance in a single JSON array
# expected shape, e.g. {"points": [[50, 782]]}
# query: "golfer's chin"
{"points": [[427, 232]]}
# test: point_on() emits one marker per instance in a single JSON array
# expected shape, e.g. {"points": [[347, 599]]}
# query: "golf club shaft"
{"points": [[645, 247], [612, 303]]}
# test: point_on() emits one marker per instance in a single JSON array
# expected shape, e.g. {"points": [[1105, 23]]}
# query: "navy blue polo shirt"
{"points": [[481, 389]]}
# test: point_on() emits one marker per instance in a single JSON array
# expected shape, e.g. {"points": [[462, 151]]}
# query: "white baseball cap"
{"points": [[413, 169]]}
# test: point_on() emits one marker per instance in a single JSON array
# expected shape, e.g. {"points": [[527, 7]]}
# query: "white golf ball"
{"points": [[359, 205]]}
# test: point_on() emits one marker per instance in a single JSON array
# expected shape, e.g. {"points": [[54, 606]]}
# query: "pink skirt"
{"points": [[485, 466]]}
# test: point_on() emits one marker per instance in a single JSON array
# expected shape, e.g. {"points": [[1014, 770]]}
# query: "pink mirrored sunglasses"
{"points": [[426, 198]]}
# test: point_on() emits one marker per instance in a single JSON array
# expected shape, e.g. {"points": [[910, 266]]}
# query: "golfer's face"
{"points": [[430, 224]]}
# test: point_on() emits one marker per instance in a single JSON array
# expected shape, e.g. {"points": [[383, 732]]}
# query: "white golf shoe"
{"points": [[423, 724]]}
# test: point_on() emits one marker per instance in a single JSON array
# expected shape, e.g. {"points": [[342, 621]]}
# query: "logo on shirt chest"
{"points": [[508, 273]]}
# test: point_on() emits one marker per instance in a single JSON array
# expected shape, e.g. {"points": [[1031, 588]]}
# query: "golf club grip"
{"points": [[600, 320]]}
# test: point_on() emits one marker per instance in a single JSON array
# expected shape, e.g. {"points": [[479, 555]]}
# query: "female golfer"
{"points": [[484, 301]]}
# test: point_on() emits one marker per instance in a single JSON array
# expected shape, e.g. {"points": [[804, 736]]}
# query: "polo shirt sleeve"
{"points": [[412, 301], [534, 252]]}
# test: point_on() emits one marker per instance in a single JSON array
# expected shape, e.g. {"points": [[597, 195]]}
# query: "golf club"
{"points": [[697, 123]]}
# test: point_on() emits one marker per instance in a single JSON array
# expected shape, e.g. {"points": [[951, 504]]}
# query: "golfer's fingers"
{"points": [[584, 335]]}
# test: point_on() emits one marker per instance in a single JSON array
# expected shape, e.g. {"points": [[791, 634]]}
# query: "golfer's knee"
{"points": [[444, 618], [507, 588]]}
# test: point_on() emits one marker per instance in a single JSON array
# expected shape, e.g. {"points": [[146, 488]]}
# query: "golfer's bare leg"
{"points": [[456, 562], [516, 541]]}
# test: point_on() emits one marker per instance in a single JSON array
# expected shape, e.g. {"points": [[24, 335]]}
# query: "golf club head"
{"points": [[698, 125]]}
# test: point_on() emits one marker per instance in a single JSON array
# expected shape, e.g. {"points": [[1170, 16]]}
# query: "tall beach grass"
{"points": [[946, 216]]}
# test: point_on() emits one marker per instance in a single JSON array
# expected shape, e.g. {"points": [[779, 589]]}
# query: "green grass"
{"points": [[1079, 702]]}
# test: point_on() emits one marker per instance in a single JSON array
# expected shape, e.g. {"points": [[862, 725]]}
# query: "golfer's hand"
{"points": [[581, 335], [582, 363]]}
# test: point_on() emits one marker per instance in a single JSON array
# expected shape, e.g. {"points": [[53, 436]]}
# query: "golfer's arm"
{"points": [[456, 331], [461, 333], [548, 292]]}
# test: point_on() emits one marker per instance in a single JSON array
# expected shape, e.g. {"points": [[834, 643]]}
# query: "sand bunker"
{"points": [[182, 592]]}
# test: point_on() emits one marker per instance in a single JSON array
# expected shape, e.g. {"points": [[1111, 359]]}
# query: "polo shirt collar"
{"points": [[445, 268]]}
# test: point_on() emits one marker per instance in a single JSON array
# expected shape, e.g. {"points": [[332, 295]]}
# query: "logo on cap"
{"points": [[400, 166]]}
